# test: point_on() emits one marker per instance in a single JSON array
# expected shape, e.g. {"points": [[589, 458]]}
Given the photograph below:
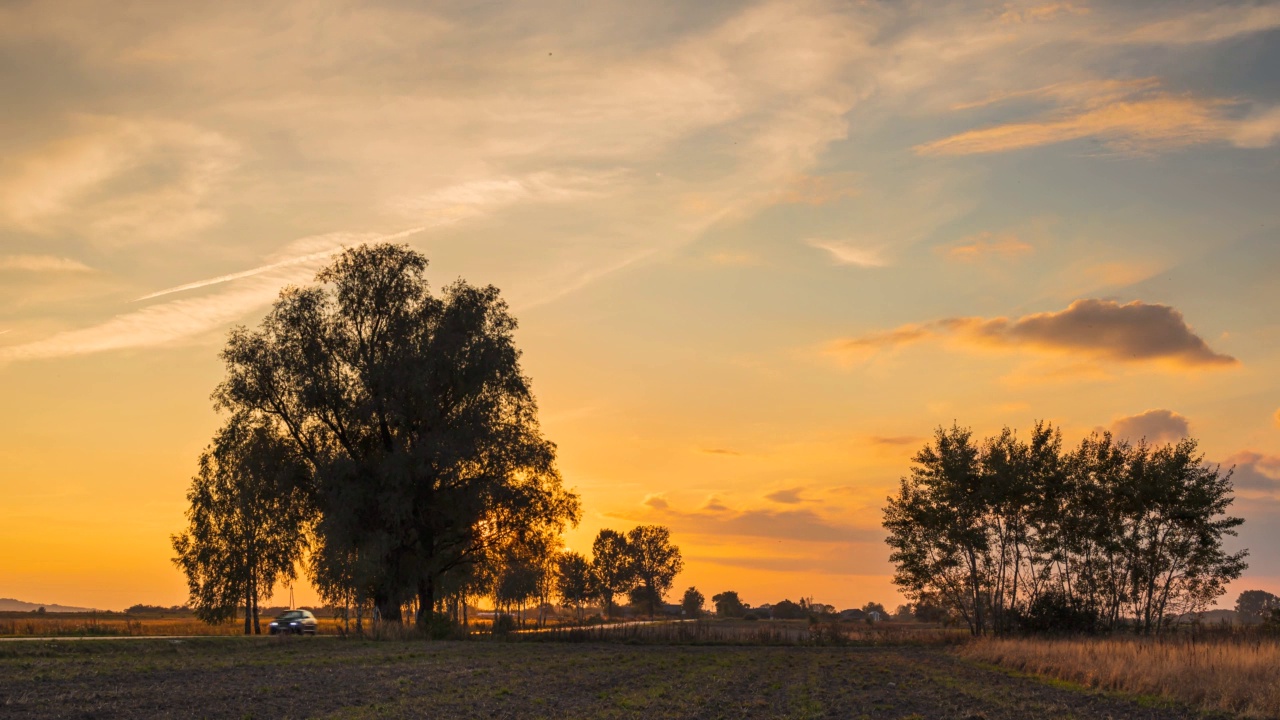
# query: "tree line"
{"points": [[1021, 535], [384, 438]]}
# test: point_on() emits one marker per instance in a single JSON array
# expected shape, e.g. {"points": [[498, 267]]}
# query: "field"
{"points": [[345, 678], [1239, 673], [25, 624]]}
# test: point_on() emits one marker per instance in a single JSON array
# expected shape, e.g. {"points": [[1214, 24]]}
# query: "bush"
{"points": [[751, 616], [1054, 612], [504, 624]]}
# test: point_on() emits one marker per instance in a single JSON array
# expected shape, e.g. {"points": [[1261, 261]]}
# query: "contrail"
{"points": [[275, 265]]}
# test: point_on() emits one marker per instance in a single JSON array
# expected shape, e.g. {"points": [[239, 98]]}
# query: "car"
{"points": [[294, 622]]}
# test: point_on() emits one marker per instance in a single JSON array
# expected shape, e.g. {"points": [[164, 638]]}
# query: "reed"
{"points": [[1234, 673]]}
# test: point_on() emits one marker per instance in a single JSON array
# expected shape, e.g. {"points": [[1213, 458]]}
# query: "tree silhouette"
{"points": [[574, 580], [655, 562], [1010, 534], [1256, 606], [612, 567], [692, 603], [728, 605], [246, 522], [417, 424]]}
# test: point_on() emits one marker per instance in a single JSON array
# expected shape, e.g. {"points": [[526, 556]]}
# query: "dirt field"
{"points": [[340, 678]]}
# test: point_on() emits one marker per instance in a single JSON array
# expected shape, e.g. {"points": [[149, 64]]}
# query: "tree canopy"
{"points": [[416, 424], [1012, 534], [247, 522]]}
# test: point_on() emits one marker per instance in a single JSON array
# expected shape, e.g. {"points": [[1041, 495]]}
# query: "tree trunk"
{"points": [[426, 601], [257, 629], [248, 611]]}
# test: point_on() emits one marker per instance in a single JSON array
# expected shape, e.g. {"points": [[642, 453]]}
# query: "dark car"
{"points": [[295, 622]]}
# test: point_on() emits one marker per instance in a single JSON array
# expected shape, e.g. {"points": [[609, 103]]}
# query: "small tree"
{"points": [[247, 523], [1255, 606], [573, 576], [728, 604], [655, 562], [692, 603], [611, 567]]}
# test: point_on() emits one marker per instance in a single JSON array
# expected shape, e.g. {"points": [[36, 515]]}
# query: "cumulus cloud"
{"points": [[41, 263], [1254, 471], [1103, 329], [656, 501], [1155, 426]]}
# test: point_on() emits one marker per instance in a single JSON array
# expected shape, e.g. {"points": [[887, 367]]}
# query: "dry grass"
{"points": [[83, 624], [1237, 674], [737, 632]]}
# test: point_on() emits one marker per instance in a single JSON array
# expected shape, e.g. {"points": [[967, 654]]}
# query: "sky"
{"points": [[758, 251]]}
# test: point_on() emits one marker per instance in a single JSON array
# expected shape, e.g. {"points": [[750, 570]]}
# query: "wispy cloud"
{"points": [[335, 242], [1214, 25], [41, 263], [1162, 121], [986, 244], [844, 253], [164, 323]]}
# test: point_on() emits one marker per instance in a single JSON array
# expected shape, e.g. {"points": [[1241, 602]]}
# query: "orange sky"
{"points": [[758, 251]]}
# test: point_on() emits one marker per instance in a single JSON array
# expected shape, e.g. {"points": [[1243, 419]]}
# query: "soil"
{"points": [[345, 678]]}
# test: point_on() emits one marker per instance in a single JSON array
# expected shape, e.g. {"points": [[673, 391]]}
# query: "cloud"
{"points": [[721, 451], [986, 244], [656, 501], [1160, 121], [788, 496], [120, 180], [333, 244], [1017, 15], [1220, 23], [895, 440], [714, 518], [41, 263], [846, 254], [1258, 130], [164, 323], [1103, 329], [1254, 471], [1155, 426]]}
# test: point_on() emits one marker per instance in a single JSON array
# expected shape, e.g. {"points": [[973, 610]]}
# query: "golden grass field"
{"points": [[1238, 674]]}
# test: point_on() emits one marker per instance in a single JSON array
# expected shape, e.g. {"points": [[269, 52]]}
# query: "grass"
{"points": [[738, 632], [1235, 674]]}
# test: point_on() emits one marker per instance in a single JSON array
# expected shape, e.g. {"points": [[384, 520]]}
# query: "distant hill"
{"points": [[11, 605]]}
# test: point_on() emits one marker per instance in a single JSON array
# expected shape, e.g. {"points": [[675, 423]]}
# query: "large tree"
{"points": [[1255, 606], [411, 410], [655, 562], [246, 522]]}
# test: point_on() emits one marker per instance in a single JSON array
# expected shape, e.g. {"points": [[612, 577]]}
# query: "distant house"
{"points": [[874, 616]]}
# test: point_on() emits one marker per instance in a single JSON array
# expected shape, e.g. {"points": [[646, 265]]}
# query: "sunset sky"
{"points": [[758, 251]]}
